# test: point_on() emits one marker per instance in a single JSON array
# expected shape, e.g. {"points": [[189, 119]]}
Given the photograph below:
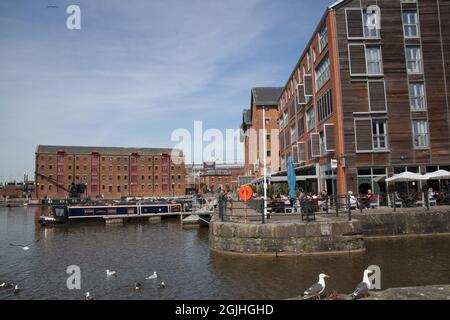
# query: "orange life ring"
{"points": [[245, 193]]}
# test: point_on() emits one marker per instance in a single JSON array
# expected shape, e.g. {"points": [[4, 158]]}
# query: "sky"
{"points": [[138, 70]]}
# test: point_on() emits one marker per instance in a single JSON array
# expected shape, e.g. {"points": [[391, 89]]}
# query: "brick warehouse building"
{"points": [[252, 129], [109, 171], [375, 100], [214, 176]]}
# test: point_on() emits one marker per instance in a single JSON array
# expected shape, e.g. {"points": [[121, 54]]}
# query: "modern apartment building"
{"points": [[263, 108], [370, 93], [109, 172]]}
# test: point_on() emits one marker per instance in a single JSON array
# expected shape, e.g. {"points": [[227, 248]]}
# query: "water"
{"points": [[183, 261]]}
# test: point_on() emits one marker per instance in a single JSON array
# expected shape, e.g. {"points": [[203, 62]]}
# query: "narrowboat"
{"points": [[65, 214]]}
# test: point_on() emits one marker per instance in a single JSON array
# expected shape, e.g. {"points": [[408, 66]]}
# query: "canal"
{"points": [[183, 261]]}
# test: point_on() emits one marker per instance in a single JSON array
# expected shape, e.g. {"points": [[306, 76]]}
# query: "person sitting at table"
{"points": [[353, 200]]}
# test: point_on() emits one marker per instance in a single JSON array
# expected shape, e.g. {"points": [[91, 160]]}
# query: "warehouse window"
{"points": [[322, 73], [421, 135], [410, 24], [414, 59], [417, 96], [370, 24], [310, 119], [373, 60], [379, 134], [324, 106], [323, 38]]}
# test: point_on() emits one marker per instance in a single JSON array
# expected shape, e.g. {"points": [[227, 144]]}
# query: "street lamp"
{"points": [[264, 162]]}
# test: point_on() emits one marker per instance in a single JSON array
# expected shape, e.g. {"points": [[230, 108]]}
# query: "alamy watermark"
{"points": [[73, 21]]}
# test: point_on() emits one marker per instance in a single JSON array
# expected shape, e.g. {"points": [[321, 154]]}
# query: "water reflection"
{"points": [[183, 261]]}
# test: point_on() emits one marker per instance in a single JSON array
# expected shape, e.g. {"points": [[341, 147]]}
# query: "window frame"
{"points": [[409, 25], [325, 73], [323, 37], [380, 62], [364, 25], [308, 118], [424, 96], [379, 136], [419, 47], [427, 134]]}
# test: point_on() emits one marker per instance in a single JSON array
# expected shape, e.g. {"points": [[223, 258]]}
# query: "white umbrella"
{"points": [[440, 174], [406, 176]]}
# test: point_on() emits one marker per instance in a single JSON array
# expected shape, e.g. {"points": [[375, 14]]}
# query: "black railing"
{"points": [[331, 205]]}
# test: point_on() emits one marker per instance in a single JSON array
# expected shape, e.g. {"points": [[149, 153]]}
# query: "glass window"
{"points": [[310, 119], [324, 106], [293, 133], [414, 59], [410, 25], [322, 73], [417, 96], [370, 25], [301, 126], [373, 60], [323, 38], [420, 131], [379, 134]]}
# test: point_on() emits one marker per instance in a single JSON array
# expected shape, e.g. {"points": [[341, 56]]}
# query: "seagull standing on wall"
{"points": [[153, 276], [110, 273], [362, 289], [316, 289]]}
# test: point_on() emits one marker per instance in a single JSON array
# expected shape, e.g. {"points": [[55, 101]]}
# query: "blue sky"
{"points": [[137, 70]]}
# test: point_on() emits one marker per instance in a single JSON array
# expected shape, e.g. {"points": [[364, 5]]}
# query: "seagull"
{"points": [[16, 289], [316, 289], [162, 285], [137, 286], [24, 246], [362, 289], [88, 296], [153, 276], [6, 285], [110, 273]]}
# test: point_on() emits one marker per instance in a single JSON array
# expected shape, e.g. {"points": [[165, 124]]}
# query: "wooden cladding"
{"points": [[301, 99], [357, 59], [308, 85], [301, 152], [329, 137], [315, 145], [363, 135], [377, 95], [354, 23]]}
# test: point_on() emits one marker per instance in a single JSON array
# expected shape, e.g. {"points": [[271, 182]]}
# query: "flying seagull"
{"points": [[316, 289], [162, 285], [137, 286], [362, 289], [153, 276], [24, 246], [110, 273], [88, 296]]}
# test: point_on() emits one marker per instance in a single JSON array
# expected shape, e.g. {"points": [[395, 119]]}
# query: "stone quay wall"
{"points": [[410, 221], [286, 238]]}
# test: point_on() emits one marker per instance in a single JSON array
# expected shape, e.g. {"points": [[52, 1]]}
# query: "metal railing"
{"points": [[331, 205]]}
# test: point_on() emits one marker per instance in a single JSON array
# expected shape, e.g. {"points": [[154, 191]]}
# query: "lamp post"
{"points": [[264, 164]]}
